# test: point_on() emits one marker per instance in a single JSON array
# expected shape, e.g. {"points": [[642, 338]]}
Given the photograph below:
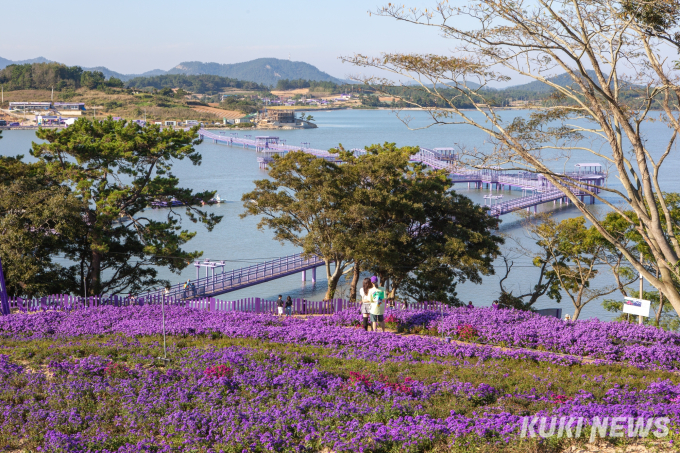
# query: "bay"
{"points": [[231, 172]]}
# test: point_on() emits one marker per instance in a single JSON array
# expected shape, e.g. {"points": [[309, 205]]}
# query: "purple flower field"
{"points": [[641, 346], [90, 380]]}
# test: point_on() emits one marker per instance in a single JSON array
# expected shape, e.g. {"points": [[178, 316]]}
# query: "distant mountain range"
{"points": [[4, 62], [265, 71]]}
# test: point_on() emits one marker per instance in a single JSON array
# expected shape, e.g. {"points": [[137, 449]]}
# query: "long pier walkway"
{"points": [[536, 189], [215, 283]]}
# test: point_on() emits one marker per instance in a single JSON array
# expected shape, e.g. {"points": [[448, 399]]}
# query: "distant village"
{"points": [[282, 110]]}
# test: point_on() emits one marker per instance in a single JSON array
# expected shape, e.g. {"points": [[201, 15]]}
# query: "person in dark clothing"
{"points": [[469, 305], [279, 305], [289, 306]]}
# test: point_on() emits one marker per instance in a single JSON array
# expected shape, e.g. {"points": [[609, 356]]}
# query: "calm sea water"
{"points": [[231, 172]]}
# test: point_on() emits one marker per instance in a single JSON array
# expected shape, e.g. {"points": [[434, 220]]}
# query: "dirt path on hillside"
{"points": [[228, 114]]}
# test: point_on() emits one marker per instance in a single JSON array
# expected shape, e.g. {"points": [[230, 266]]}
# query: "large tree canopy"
{"points": [[38, 217], [304, 204], [117, 169], [379, 213], [613, 56]]}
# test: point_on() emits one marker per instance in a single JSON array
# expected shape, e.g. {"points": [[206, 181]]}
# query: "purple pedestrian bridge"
{"points": [[218, 281], [536, 190]]}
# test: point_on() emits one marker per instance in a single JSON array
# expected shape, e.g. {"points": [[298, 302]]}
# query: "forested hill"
{"points": [[539, 87], [264, 71], [267, 71], [109, 73], [203, 83], [4, 62]]}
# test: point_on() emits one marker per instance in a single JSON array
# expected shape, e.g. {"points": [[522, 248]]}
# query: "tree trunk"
{"points": [[392, 293], [577, 312], [333, 279], [657, 318], [356, 273], [94, 288]]}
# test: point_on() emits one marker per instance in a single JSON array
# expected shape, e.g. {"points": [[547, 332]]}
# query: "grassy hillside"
{"points": [[120, 103]]}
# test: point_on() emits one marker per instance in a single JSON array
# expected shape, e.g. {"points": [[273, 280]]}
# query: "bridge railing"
{"points": [[271, 146], [238, 277], [434, 159], [432, 162], [464, 178], [525, 202], [65, 302]]}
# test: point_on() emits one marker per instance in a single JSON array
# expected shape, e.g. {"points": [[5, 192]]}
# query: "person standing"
{"points": [[365, 302], [289, 306], [279, 305], [377, 296], [469, 305]]}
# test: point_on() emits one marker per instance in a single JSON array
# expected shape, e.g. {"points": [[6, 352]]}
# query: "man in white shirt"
{"points": [[377, 296]]}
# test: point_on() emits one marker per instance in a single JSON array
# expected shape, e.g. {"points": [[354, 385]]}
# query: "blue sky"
{"points": [[136, 36]]}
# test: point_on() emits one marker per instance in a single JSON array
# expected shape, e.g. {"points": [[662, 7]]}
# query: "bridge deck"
{"points": [[443, 159], [236, 279]]}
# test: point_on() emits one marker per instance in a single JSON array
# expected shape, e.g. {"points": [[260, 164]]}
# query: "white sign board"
{"points": [[638, 307]]}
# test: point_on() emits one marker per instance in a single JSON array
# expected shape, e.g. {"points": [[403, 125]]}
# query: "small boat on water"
{"points": [[175, 202], [166, 204], [216, 199]]}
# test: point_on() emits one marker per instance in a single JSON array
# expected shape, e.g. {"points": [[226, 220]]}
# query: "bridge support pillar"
{"points": [[535, 209], [314, 275], [304, 276], [592, 199]]}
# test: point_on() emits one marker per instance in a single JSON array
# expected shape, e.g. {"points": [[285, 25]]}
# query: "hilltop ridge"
{"points": [[265, 71]]}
